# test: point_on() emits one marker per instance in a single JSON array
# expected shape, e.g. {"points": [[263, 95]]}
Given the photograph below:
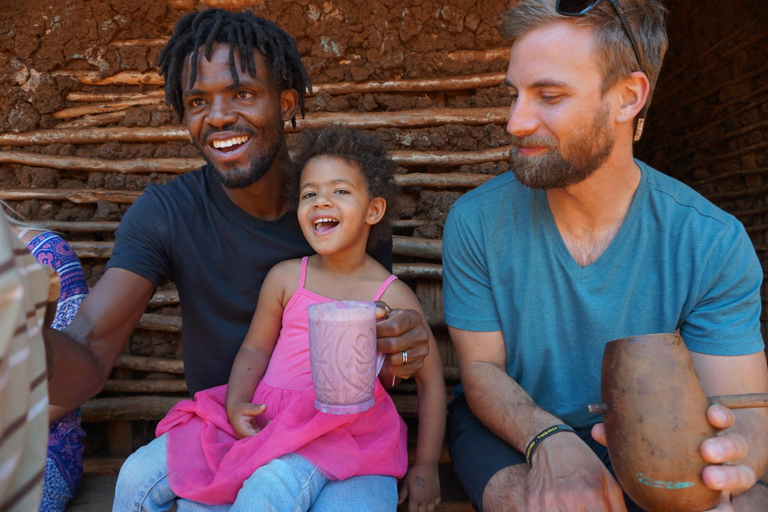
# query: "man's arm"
{"points": [[85, 352], [743, 445], [565, 474]]}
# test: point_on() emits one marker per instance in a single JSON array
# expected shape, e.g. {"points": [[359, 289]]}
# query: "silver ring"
{"points": [[405, 357]]}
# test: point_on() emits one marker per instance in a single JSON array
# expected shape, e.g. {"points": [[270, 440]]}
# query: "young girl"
{"points": [[265, 418]]}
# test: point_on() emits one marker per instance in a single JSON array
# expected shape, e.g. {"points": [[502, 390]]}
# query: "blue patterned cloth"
{"points": [[64, 465]]}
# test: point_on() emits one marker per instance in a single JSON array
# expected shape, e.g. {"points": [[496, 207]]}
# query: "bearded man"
{"points": [[579, 245]]}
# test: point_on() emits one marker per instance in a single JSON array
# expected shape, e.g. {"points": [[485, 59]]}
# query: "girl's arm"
{"points": [[254, 354], [421, 485]]}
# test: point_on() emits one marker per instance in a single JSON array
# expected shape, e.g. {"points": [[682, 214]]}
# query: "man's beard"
{"points": [[587, 149], [237, 178]]}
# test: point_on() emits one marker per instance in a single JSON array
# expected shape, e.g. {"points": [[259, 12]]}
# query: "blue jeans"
{"points": [[289, 483]]}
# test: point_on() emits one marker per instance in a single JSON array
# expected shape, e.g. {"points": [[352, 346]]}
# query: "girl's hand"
{"points": [[421, 487], [242, 417]]}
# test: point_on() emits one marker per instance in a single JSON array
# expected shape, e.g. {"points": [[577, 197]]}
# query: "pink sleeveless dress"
{"points": [[206, 461]]}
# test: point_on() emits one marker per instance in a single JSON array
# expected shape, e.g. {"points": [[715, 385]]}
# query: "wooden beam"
{"points": [[182, 165], [148, 408], [127, 166], [402, 245], [149, 364], [109, 226], [409, 85], [362, 120], [442, 180], [80, 196], [154, 408], [82, 110], [145, 386]]}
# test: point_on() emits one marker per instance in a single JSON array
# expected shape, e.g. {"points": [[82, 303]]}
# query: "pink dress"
{"points": [[206, 461]]}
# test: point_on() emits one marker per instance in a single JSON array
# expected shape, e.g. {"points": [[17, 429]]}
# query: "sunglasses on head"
{"points": [[582, 7]]}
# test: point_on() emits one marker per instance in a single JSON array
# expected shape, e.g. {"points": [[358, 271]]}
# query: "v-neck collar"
{"points": [[555, 240]]}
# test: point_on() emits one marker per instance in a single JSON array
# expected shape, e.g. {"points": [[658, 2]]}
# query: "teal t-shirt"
{"points": [[677, 262]]}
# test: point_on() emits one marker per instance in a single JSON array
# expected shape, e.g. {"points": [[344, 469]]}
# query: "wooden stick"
{"points": [[691, 76], [92, 121], [149, 364], [81, 196], [697, 133], [79, 226], [96, 250], [93, 97], [757, 228], [119, 78], [455, 83], [363, 120], [402, 245], [145, 386], [166, 323], [745, 401], [153, 408], [726, 175], [109, 226], [407, 223], [677, 106], [118, 408], [419, 247], [96, 136], [688, 121], [418, 270], [405, 118], [450, 158], [182, 165], [679, 155], [128, 166], [149, 43], [755, 148], [451, 179], [164, 298], [72, 112], [479, 55]]}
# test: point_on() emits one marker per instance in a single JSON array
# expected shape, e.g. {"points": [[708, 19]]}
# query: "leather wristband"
{"points": [[554, 429]]}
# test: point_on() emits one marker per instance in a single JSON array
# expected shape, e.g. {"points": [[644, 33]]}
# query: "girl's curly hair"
{"points": [[357, 147]]}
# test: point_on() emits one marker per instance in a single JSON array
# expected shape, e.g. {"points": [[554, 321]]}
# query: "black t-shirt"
{"points": [[191, 233]]}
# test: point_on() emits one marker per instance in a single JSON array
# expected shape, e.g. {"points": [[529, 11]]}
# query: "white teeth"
{"points": [[322, 220], [235, 141]]}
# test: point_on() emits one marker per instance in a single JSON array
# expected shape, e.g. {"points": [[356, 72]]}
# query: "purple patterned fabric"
{"points": [[65, 446]]}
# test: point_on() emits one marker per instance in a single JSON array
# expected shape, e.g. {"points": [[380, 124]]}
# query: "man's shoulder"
{"points": [[503, 187], [684, 203], [187, 189]]}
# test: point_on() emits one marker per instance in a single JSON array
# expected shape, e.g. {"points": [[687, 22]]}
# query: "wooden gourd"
{"points": [[655, 422]]}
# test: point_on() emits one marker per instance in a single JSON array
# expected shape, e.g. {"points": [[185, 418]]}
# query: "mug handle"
{"points": [[379, 362]]}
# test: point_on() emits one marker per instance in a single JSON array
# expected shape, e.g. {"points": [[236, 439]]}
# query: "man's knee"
{"points": [[505, 491]]}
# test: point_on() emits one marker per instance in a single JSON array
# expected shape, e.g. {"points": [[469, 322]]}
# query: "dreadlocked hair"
{"points": [[242, 31]]}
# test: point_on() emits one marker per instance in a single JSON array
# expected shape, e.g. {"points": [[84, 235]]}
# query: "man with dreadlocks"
{"points": [[234, 79]]}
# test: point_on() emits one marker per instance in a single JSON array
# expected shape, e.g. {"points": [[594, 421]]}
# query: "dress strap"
{"points": [[303, 275], [384, 287]]}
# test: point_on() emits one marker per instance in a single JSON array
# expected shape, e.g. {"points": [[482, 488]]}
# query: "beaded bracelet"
{"points": [[542, 436]]}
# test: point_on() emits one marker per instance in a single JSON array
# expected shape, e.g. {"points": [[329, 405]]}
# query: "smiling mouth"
{"points": [[230, 144], [324, 224]]}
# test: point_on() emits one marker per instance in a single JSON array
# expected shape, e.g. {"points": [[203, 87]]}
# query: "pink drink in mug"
{"points": [[342, 355]]}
